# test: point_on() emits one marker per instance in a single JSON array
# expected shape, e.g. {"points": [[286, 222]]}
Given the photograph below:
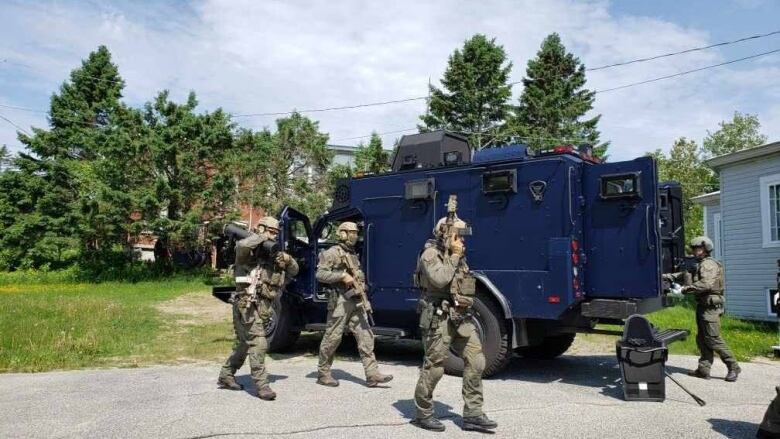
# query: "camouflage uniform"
{"points": [[436, 271], [258, 283], [706, 285], [343, 312]]}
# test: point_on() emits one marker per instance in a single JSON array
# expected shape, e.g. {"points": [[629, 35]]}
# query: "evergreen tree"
{"points": [[184, 167], [741, 132], [80, 159], [5, 158], [475, 97], [555, 100], [372, 158]]}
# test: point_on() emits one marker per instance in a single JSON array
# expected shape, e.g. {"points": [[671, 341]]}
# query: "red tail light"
{"points": [[575, 245], [553, 299], [575, 258]]}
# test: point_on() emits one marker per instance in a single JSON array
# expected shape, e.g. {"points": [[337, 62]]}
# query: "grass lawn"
{"points": [[64, 325], [747, 339], [69, 325]]}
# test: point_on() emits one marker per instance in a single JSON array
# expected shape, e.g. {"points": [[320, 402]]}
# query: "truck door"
{"points": [[621, 239], [297, 240]]}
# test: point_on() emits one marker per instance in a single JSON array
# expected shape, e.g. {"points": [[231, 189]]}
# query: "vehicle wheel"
{"points": [[550, 348], [493, 330], [279, 329]]}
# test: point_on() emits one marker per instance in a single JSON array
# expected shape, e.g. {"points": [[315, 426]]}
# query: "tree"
{"points": [[77, 188], [184, 169], [372, 158], [742, 132], [554, 101], [5, 158], [475, 98], [684, 164]]}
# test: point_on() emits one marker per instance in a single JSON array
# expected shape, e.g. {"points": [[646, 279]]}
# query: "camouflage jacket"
{"points": [[332, 266], [436, 270], [256, 276], [706, 281]]}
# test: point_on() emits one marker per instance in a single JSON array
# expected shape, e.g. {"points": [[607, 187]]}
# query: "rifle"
{"points": [[462, 287], [359, 288]]}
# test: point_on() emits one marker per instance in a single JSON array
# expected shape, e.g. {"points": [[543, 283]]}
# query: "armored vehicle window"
{"points": [[298, 230], [499, 181], [620, 186], [419, 189]]}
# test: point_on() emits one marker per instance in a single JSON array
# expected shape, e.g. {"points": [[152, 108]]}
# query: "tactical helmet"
{"points": [[343, 232], [702, 241], [459, 224], [347, 226], [268, 222]]}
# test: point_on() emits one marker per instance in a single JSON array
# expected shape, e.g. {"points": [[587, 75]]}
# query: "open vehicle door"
{"points": [[621, 230], [297, 240]]}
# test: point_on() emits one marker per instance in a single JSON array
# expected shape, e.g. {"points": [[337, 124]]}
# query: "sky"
{"points": [[275, 56]]}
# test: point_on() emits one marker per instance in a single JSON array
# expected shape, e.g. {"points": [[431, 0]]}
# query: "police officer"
{"points": [[345, 308], [260, 277], [706, 284], [440, 327]]}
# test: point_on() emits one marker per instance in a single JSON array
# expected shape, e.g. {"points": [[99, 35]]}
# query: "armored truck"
{"points": [[560, 243]]}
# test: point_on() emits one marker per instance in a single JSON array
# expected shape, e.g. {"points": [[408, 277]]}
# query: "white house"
{"points": [[743, 221]]}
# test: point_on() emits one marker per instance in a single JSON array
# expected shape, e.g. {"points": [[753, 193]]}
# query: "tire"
{"points": [[279, 331], [550, 348], [493, 330]]}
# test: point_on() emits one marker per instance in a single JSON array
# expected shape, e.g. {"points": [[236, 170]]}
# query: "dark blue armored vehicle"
{"points": [[560, 243]]}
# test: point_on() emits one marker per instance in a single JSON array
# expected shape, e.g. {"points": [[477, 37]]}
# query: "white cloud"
{"points": [[251, 57]]}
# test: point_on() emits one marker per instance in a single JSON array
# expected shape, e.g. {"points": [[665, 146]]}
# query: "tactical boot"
{"points": [[431, 424], [733, 374], [699, 374], [327, 379], [228, 382], [266, 394], [378, 378], [479, 423]]}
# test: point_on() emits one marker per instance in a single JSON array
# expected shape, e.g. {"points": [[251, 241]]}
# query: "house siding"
{"points": [[750, 268]]}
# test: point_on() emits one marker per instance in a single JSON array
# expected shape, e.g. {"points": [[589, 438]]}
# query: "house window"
{"points": [[770, 210]]}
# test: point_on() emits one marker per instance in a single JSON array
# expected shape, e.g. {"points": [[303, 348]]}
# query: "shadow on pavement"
{"points": [[408, 410], [249, 385], [339, 375], [734, 429]]}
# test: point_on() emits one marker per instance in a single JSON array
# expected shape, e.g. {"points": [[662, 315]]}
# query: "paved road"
{"points": [[575, 396]]}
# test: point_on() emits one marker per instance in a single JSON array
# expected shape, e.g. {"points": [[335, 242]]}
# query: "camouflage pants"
{"points": [[343, 313], [709, 341], [771, 422], [438, 335], [250, 341]]}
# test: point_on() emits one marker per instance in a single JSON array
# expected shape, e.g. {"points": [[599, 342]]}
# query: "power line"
{"points": [[15, 125], [695, 49], [378, 134], [13, 107], [687, 72], [319, 110]]}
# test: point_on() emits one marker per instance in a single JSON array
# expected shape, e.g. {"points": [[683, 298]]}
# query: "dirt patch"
{"points": [[196, 309]]}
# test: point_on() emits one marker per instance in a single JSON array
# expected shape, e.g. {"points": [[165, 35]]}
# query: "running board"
{"points": [[378, 330]]}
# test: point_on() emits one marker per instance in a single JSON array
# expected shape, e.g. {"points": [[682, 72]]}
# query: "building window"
{"points": [[770, 210]]}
